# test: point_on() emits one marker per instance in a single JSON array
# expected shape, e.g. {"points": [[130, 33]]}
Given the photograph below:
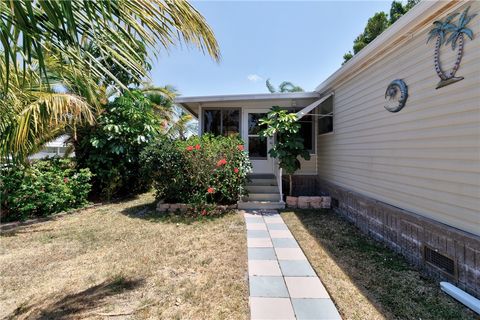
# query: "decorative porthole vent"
{"points": [[396, 95], [440, 261]]}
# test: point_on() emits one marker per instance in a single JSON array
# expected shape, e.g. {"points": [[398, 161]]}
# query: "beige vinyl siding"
{"points": [[425, 158]]}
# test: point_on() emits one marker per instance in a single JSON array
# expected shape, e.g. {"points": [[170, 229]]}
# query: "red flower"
{"points": [[197, 147], [189, 148], [204, 212], [240, 147], [235, 170], [65, 180], [210, 190], [221, 162]]}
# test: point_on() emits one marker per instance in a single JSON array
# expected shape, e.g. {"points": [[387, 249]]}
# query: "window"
{"points": [[325, 116], [257, 146], [307, 130], [221, 121]]}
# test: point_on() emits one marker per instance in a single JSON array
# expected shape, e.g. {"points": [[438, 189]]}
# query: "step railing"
{"points": [[277, 171]]}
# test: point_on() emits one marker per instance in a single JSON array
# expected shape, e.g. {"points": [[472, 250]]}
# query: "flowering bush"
{"points": [[199, 171], [42, 188]]}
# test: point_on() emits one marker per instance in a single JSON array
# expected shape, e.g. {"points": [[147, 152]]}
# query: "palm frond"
{"points": [[44, 118], [450, 17], [270, 87], [28, 28], [468, 32]]}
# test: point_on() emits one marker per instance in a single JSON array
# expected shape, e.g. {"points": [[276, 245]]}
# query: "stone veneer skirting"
{"points": [[405, 232]]}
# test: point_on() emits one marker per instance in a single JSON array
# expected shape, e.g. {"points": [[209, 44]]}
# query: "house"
{"points": [[55, 148], [394, 136]]}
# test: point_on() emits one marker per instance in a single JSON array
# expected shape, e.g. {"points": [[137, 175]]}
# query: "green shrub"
{"points": [[164, 164], [200, 170], [112, 147], [42, 188]]}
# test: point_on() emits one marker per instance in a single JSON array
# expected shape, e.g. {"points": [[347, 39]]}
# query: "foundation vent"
{"points": [[440, 261], [335, 203]]}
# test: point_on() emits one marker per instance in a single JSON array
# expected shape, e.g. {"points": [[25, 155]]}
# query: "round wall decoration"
{"points": [[396, 95]]}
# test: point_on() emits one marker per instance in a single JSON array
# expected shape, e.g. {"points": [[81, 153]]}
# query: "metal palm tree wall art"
{"points": [[447, 32]]}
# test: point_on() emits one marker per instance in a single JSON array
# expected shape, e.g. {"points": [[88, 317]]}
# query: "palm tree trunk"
{"points": [[438, 68], [459, 56]]}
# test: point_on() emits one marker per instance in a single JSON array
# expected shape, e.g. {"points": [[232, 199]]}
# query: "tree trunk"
{"points": [[290, 185], [459, 57], [438, 68]]}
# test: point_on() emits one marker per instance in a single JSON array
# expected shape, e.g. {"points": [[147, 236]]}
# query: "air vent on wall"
{"points": [[440, 261]]}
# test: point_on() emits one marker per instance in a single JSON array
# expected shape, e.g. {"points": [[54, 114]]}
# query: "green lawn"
{"points": [[365, 279], [125, 260]]}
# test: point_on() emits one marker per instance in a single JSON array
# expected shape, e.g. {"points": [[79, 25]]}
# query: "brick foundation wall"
{"points": [[405, 232]]}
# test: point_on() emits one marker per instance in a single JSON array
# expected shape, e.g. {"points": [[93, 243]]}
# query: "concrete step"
{"points": [[261, 205], [262, 182], [262, 197], [261, 176], [262, 189]]}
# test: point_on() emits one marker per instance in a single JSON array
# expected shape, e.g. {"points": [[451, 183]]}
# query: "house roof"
{"points": [[419, 16], [192, 103]]}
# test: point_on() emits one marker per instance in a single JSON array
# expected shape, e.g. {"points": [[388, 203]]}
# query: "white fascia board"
{"points": [[245, 97], [403, 26], [310, 107]]}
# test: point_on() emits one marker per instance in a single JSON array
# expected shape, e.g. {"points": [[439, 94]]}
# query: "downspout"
{"points": [[460, 295]]}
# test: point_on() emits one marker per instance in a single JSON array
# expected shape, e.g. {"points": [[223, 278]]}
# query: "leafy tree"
{"points": [[378, 23], [111, 148], [61, 60], [375, 26], [285, 86], [347, 56], [396, 11], [410, 4], [359, 43], [289, 142]]}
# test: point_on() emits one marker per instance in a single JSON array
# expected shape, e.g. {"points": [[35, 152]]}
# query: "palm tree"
{"points": [[457, 36], [285, 86], [32, 113], [439, 31], [117, 28], [162, 100], [182, 127]]}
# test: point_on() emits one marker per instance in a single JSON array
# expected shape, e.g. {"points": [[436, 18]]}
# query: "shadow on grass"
{"points": [[74, 304], [148, 212], [382, 276]]}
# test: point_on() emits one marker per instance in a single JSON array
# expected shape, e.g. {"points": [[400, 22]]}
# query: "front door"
{"points": [[257, 147]]}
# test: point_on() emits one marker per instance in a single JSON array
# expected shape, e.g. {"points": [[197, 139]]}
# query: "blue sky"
{"points": [[301, 42]]}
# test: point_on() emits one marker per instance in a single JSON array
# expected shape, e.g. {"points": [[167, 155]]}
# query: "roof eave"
{"points": [[245, 97]]}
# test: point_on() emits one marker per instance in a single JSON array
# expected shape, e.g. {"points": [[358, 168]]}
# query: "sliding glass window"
{"points": [[223, 122]]}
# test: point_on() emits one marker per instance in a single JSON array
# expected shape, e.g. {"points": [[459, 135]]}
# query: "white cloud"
{"points": [[254, 77]]}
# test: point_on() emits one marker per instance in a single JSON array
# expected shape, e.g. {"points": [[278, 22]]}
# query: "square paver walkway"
{"points": [[283, 284]]}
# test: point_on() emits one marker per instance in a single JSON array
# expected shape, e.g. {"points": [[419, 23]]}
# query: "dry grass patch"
{"points": [[124, 259], [365, 279]]}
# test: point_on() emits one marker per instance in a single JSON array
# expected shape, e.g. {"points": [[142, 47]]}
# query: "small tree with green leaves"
{"points": [[288, 145]]}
